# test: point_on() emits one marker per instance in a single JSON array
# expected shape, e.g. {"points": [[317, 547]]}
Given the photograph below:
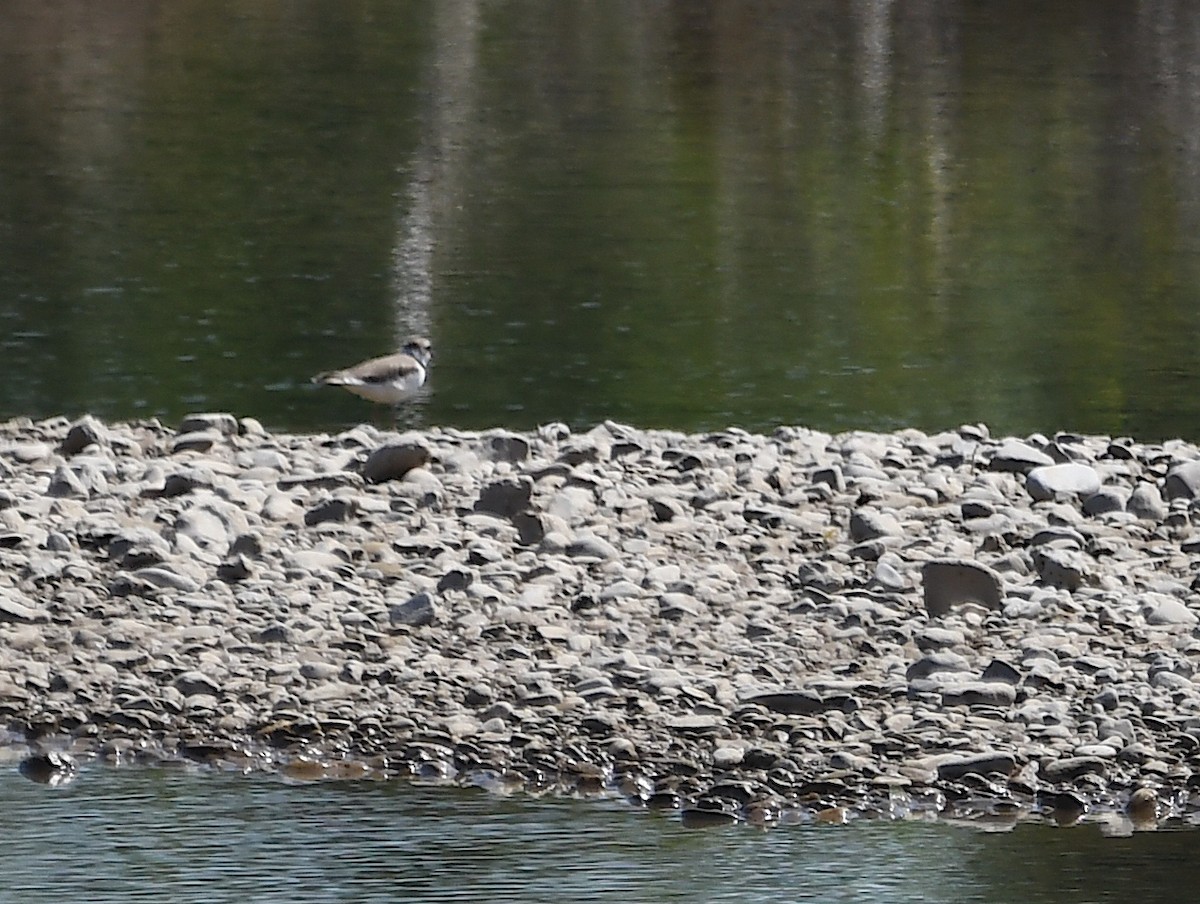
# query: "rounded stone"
{"points": [[1066, 480], [394, 461], [948, 583]]}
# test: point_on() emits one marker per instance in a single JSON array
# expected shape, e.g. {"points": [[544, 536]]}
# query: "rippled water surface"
{"points": [[147, 835]]}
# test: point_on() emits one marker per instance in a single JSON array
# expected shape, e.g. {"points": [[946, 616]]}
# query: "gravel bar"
{"points": [[774, 629]]}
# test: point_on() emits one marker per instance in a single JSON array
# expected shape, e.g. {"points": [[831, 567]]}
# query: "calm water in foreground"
{"points": [[145, 835]]}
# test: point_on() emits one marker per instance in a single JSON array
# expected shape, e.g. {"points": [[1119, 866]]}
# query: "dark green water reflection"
{"points": [[865, 214], [141, 835]]}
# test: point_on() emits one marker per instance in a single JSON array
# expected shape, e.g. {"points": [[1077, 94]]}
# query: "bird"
{"points": [[389, 380]]}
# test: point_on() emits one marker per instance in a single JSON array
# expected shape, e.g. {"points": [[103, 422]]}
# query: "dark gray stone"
{"points": [[1105, 501], [972, 509], [52, 768], [198, 441], [792, 703], [218, 422], [506, 497], [979, 693], [235, 568], [14, 610], [943, 661], [275, 634], [999, 670], [1072, 768], [66, 484], [336, 510], [531, 530], [181, 483], [415, 612], [951, 582], [868, 524], [85, 432], [664, 508], [830, 476], [1018, 457], [393, 461], [1064, 568], [246, 545], [138, 548], [510, 447], [455, 579], [1183, 481], [192, 683], [978, 764]]}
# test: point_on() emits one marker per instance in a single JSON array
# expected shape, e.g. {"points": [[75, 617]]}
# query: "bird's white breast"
{"points": [[391, 391]]}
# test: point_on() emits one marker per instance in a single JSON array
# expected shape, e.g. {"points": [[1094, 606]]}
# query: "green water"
{"points": [[845, 215], [144, 835]]}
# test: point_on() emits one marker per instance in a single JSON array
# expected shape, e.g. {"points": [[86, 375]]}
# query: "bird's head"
{"points": [[419, 348]]}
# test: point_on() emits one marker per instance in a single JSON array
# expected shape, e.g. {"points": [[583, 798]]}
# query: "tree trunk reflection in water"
{"points": [[865, 214]]}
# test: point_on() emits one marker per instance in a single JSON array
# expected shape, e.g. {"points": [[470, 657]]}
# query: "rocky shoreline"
{"points": [[774, 629]]}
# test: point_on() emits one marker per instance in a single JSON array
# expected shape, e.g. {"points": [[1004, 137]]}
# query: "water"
{"points": [[846, 215], [146, 835]]}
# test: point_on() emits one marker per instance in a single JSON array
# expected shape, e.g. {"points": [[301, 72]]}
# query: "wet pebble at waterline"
{"points": [[794, 628]]}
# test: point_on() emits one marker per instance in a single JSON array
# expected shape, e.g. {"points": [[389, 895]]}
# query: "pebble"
{"points": [[981, 763], [13, 609], [1162, 610], [772, 630], [1018, 456], [948, 583], [87, 431], [415, 612], [506, 497], [1065, 480], [1072, 768], [1183, 481], [393, 461], [1060, 567], [1146, 502]]}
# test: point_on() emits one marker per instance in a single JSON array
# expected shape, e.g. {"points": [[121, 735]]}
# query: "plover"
{"points": [[390, 379]]}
